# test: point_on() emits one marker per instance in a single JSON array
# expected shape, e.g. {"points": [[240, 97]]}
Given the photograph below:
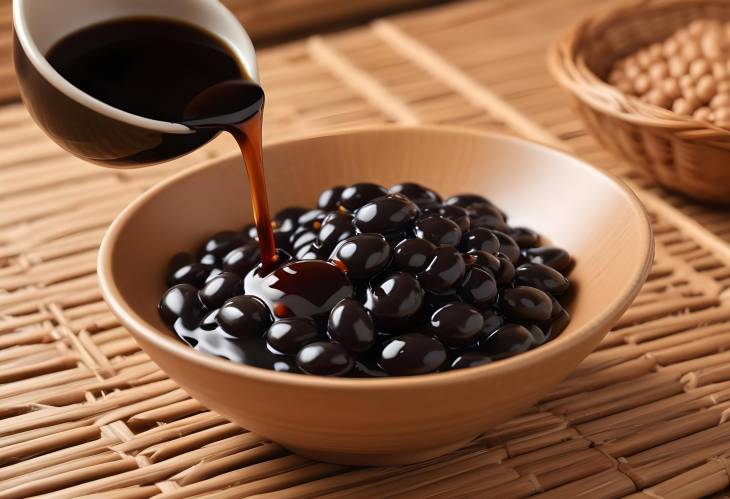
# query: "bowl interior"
{"points": [[573, 205]]}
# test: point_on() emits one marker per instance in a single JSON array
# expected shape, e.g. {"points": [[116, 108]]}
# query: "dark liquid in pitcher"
{"points": [[148, 67], [170, 71]]}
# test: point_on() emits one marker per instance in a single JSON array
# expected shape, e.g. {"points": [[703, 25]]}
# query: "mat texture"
{"points": [[83, 412]]}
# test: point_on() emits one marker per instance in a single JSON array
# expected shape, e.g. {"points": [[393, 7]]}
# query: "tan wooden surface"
{"points": [[83, 411]]}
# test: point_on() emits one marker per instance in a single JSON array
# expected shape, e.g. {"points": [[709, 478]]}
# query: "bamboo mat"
{"points": [[83, 412]]}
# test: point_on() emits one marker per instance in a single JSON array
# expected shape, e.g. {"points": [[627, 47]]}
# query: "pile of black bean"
{"points": [[373, 282]]}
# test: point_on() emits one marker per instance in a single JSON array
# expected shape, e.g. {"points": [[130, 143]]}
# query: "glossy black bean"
{"points": [[181, 301], [470, 359], [243, 259], [456, 324], [209, 260], [350, 325], [324, 359], [291, 334], [538, 335], [557, 307], [395, 238], [434, 301], [307, 252], [541, 277], [329, 199], [222, 243], [506, 272], [465, 200], [439, 230], [357, 195], [363, 256], [554, 257], [336, 227], [412, 354], [394, 298], [482, 259], [455, 213], [478, 287], [178, 261], [422, 196], [287, 220], [492, 321], [298, 232], [194, 274], [221, 287], [480, 239], [333, 215], [311, 219], [525, 303], [249, 232], [244, 316], [506, 341], [524, 237], [387, 214], [213, 273], [444, 271], [412, 255], [486, 215], [303, 239], [508, 246], [556, 325]]}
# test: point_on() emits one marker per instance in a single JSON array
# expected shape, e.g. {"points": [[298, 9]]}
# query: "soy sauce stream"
{"points": [[248, 136], [237, 106]]}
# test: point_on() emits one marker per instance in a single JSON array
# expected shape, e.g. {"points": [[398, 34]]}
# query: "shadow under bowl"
{"points": [[401, 419]]}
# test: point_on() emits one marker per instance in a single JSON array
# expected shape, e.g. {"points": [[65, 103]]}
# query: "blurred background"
{"points": [[268, 22]]}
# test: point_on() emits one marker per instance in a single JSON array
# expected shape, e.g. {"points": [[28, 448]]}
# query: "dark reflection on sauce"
{"points": [[309, 288]]}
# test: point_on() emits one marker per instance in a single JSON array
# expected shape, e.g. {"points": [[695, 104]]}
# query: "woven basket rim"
{"points": [[570, 71]]}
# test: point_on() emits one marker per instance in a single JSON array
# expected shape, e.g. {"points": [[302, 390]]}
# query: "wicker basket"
{"points": [[683, 154]]}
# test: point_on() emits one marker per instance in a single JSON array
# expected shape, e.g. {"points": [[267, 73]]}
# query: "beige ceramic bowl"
{"points": [[404, 419]]}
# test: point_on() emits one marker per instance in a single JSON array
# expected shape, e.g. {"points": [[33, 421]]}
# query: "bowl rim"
{"points": [[138, 326]]}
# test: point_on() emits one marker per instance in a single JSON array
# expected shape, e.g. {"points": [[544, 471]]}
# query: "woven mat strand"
{"points": [[644, 416]]}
